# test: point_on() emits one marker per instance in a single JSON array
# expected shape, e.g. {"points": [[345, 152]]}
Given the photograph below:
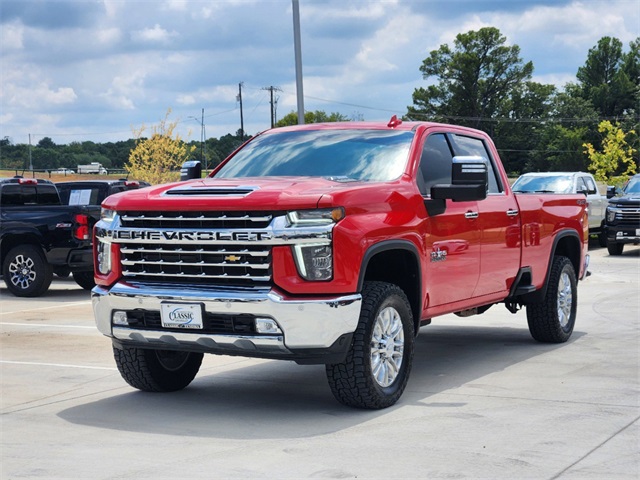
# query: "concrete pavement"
{"points": [[484, 401]]}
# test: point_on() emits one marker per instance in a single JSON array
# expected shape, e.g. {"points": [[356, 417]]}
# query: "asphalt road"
{"points": [[484, 401]]}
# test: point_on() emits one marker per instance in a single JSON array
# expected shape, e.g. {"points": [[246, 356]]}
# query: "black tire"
{"points": [[84, 279], [552, 319], [26, 272], [157, 370], [602, 236], [615, 248], [376, 350], [62, 272]]}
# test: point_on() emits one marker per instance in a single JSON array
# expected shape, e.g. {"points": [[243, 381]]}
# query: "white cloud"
{"points": [[12, 36], [109, 36], [157, 34]]}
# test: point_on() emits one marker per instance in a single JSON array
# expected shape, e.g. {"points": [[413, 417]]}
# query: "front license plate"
{"points": [[181, 315], [637, 232]]}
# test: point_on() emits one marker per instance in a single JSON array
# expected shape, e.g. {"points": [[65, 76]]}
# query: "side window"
{"points": [[580, 185], [435, 163], [591, 186], [463, 146]]}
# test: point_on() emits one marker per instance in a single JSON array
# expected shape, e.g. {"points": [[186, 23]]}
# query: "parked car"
{"points": [[623, 217], [65, 171], [569, 182], [40, 236]]}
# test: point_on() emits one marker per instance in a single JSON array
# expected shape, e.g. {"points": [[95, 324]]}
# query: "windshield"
{"points": [[370, 155], [633, 186], [546, 184]]}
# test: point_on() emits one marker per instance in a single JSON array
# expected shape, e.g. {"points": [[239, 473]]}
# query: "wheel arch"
{"points": [[397, 262], [566, 244], [9, 242]]}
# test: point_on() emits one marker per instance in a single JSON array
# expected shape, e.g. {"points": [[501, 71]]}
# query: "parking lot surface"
{"points": [[484, 401]]}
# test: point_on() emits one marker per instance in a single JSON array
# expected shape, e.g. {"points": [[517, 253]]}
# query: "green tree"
{"points": [[318, 116], [518, 131], [616, 156], [610, 78], [474, 79], [157, 159]]}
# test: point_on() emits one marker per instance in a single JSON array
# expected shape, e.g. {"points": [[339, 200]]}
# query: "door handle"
{"points": [[471, 215], [512, 213]]}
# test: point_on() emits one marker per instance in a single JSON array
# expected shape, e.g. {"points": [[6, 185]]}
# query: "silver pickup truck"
{"points": [[569, 182]]}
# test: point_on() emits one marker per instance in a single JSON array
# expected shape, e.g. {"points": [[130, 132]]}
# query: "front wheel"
{"points": [[84, 279], [376, 370], [26, 271], [551, 320], [615, 248], [157, 370]]}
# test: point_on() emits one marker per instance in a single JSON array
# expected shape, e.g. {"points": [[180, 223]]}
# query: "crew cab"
{"points": [[569, 182], [40, 236], [623, 217], [331, 244]]}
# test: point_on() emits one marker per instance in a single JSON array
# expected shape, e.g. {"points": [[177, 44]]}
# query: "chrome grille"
{"points": [[202, 263], [189, 220], [629, 218]]}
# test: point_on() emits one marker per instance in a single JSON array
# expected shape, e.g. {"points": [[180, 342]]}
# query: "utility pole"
{"points": [[239, 99], [298, 57], [203, 155], [30, 162], [273, 110]]}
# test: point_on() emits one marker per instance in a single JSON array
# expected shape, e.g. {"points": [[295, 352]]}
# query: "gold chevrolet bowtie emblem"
{"points": [[231, 258]]}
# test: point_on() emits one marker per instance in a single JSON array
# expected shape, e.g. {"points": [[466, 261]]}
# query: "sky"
{"points": [[96, 70]]}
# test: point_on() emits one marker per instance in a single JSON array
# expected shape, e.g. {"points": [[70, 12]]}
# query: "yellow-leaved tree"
{"points": [[158, 157], [616, 155]]}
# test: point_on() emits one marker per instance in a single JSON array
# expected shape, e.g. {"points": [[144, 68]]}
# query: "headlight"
{"points": [[107, 215], [103, 257], [321, 216], [314, 262], [611, 214]]}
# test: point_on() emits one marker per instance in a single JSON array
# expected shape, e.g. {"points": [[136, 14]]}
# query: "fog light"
{"points": [[120, 318], [267, 325]]}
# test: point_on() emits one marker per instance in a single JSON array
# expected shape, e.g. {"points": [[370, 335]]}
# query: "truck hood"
{"points": [[274, 193], [630, 200]]}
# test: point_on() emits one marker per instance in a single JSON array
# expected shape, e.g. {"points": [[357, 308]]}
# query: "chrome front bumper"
{"points": [[314, 330]]}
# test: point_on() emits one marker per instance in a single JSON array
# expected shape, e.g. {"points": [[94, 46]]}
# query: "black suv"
{"points": [[623, 216]]}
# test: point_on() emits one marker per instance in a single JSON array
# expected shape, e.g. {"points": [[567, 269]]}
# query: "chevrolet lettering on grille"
{"points": [[190, 236]]}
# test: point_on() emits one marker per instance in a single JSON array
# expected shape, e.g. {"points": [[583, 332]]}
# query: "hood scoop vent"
{"points": [[211, 191]]}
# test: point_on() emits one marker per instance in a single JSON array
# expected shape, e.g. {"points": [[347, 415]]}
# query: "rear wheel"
{"points": [[552, 319], [376, 370], [615, 248], [84, 279], [157, 370], [26, 271]]}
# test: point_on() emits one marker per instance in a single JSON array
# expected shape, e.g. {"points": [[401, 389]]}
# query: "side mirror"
{"points": [[611, 191], [190, 170], [469, 181]]}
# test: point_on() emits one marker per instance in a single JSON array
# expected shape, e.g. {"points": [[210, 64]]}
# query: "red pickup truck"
{"points": [[331, 244]]}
